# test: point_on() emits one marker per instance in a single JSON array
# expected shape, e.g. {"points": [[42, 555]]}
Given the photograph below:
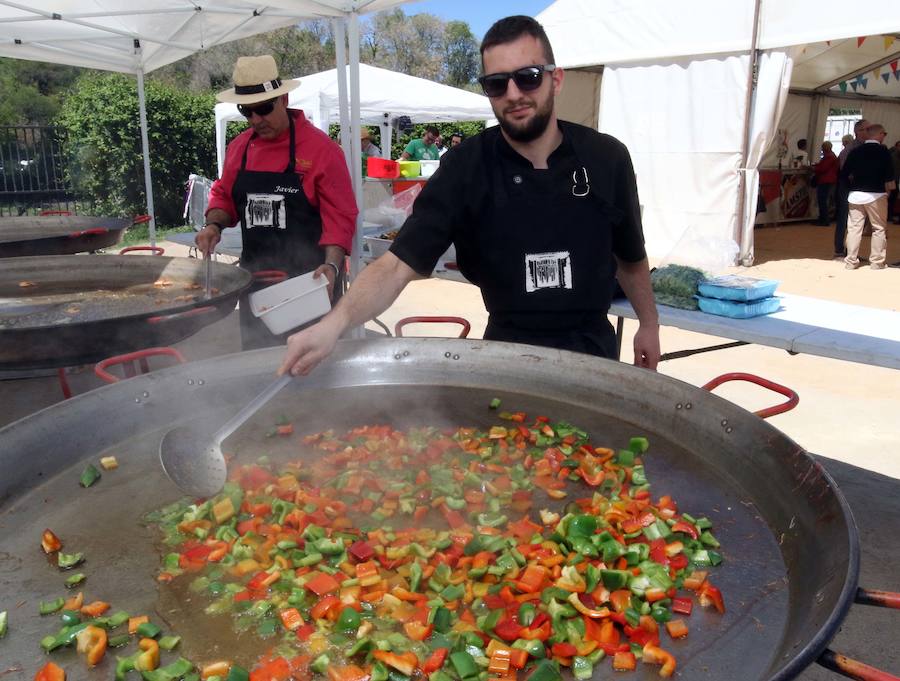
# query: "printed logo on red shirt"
{"points": [[304, 163]]}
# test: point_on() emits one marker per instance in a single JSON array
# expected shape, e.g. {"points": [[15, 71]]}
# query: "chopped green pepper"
{"points": [[49, 607], [148, 630], [237, 673], [464, 664], [119, 641], [545, 670], [348, 620], [75, 580], [169, 642], [70, 617], [89, 476], [495, 403], [582, 668], [320, 664], [68, 560]]}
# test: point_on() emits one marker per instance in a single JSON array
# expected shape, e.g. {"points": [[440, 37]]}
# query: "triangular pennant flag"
{"points": [[864, 82], [888, 41], [894, 66], [853, 85], [876, 73], [860, 41], [828, 42], [897, 75], [843, 86], [886, 77]]}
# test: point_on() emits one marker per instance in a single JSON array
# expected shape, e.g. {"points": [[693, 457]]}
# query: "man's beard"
{"points": [[532, 129]]}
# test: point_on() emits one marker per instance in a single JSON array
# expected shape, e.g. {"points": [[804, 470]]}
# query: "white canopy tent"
{"points": [[384, 95], [138, 36], [678, 89]]}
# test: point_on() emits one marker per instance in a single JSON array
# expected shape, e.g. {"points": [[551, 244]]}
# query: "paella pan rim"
{"points": [[214, 300], [472, 364]]}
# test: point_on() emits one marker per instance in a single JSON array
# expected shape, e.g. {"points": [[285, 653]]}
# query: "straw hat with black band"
{"points": [[256, 80]]}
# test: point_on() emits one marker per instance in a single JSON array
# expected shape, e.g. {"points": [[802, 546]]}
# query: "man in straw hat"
{"points": [[288, 186]]}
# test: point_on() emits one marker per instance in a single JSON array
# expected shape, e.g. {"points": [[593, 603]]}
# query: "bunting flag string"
{"points": [[894, 66], [888, 41], [886, 77], [860, 41], [897, 75], [876, 73], [843, 86], [853, 84]]}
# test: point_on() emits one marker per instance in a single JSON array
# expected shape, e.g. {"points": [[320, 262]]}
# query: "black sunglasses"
{"points": [[527, 79], [260, 109]]}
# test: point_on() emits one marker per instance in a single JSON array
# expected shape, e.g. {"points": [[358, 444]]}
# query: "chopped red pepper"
{"points": [[322, 583], [436, 661], [683, 606], [508, 629]]}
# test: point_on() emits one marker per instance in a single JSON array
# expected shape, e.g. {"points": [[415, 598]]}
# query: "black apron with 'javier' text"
{"points": [[280, 230], [542, 256]]}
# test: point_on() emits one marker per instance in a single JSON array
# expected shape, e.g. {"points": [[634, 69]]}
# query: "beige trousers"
{"points": [[877, 213]]}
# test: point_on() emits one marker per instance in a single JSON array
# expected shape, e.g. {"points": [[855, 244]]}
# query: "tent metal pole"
{"points": [[145, 147], [355, 141], [746, 235], [340, 54]]}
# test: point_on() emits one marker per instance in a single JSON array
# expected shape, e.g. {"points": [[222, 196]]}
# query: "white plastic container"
{"points": [[293, 302], [427, 168]]}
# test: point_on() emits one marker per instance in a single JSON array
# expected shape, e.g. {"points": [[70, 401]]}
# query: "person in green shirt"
{"points": [[423, 149]]}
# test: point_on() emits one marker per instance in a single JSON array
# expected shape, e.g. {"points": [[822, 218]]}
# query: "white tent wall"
{"points": [[795, 121], [686, 150], [683, 178], [579, 101]]}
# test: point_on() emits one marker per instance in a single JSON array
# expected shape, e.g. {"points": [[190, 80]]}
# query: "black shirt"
{"points": [[455, 200], [868, 168]]}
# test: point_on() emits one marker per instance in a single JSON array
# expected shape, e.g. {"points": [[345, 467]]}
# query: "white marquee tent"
{"points": [[384, 95], [138, 36], [675, 83]]}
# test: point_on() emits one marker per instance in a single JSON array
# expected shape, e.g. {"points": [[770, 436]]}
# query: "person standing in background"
{"points": [[841, 207], [870, 176], [423, 149], [894, 196], [826, 175]]}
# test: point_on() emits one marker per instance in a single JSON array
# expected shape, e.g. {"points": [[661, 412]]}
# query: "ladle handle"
{"points": [[252, 407]]}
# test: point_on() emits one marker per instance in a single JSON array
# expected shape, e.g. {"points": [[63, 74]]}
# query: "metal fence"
{"points": [[33, 176]]}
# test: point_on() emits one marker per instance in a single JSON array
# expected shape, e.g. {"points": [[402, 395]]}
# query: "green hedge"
{"points": [[102, 120]]}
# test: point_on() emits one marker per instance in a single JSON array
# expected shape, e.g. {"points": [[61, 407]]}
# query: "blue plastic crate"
{"points": [[736, 287], [739, 309]]}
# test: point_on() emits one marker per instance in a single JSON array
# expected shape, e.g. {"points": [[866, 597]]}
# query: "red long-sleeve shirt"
{"points": [[826, 170], [326, 180]]}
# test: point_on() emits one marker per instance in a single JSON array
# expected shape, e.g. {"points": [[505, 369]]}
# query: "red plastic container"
{"points": [[382, 167]]}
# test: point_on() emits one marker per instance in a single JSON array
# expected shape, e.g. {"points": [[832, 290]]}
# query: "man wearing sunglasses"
{"points": [[288, 186], [544, 215]]}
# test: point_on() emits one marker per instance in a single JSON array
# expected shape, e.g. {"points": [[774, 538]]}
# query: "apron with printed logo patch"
{"points": [[543, 259]]}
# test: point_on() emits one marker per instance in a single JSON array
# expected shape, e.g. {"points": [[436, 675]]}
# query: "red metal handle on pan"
{"points": [[157, 250], [852, 668], [128, 360], [175, 316], [398, 327], [88, 232], [269, 276], [793, 398]]}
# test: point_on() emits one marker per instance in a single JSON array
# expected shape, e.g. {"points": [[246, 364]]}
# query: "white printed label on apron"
{"points": [[265, 210], [548, 270]]}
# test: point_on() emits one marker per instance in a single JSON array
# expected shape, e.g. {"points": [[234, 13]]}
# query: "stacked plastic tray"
{"points": [[738, 297]]}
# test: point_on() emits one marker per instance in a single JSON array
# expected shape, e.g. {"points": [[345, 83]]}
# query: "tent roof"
{"points": [[382, 91], [594, 32], [102, 34]]}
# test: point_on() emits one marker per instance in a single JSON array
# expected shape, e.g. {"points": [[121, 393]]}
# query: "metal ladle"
{"points": [[192, 458]]}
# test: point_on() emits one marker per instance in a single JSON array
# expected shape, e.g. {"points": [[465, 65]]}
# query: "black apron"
{"points": [[280, 230], [542, 256]]}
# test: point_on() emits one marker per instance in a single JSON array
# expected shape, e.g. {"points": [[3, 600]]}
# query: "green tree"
{"points": [[31, 90], [460, 54], [101, 119]]}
